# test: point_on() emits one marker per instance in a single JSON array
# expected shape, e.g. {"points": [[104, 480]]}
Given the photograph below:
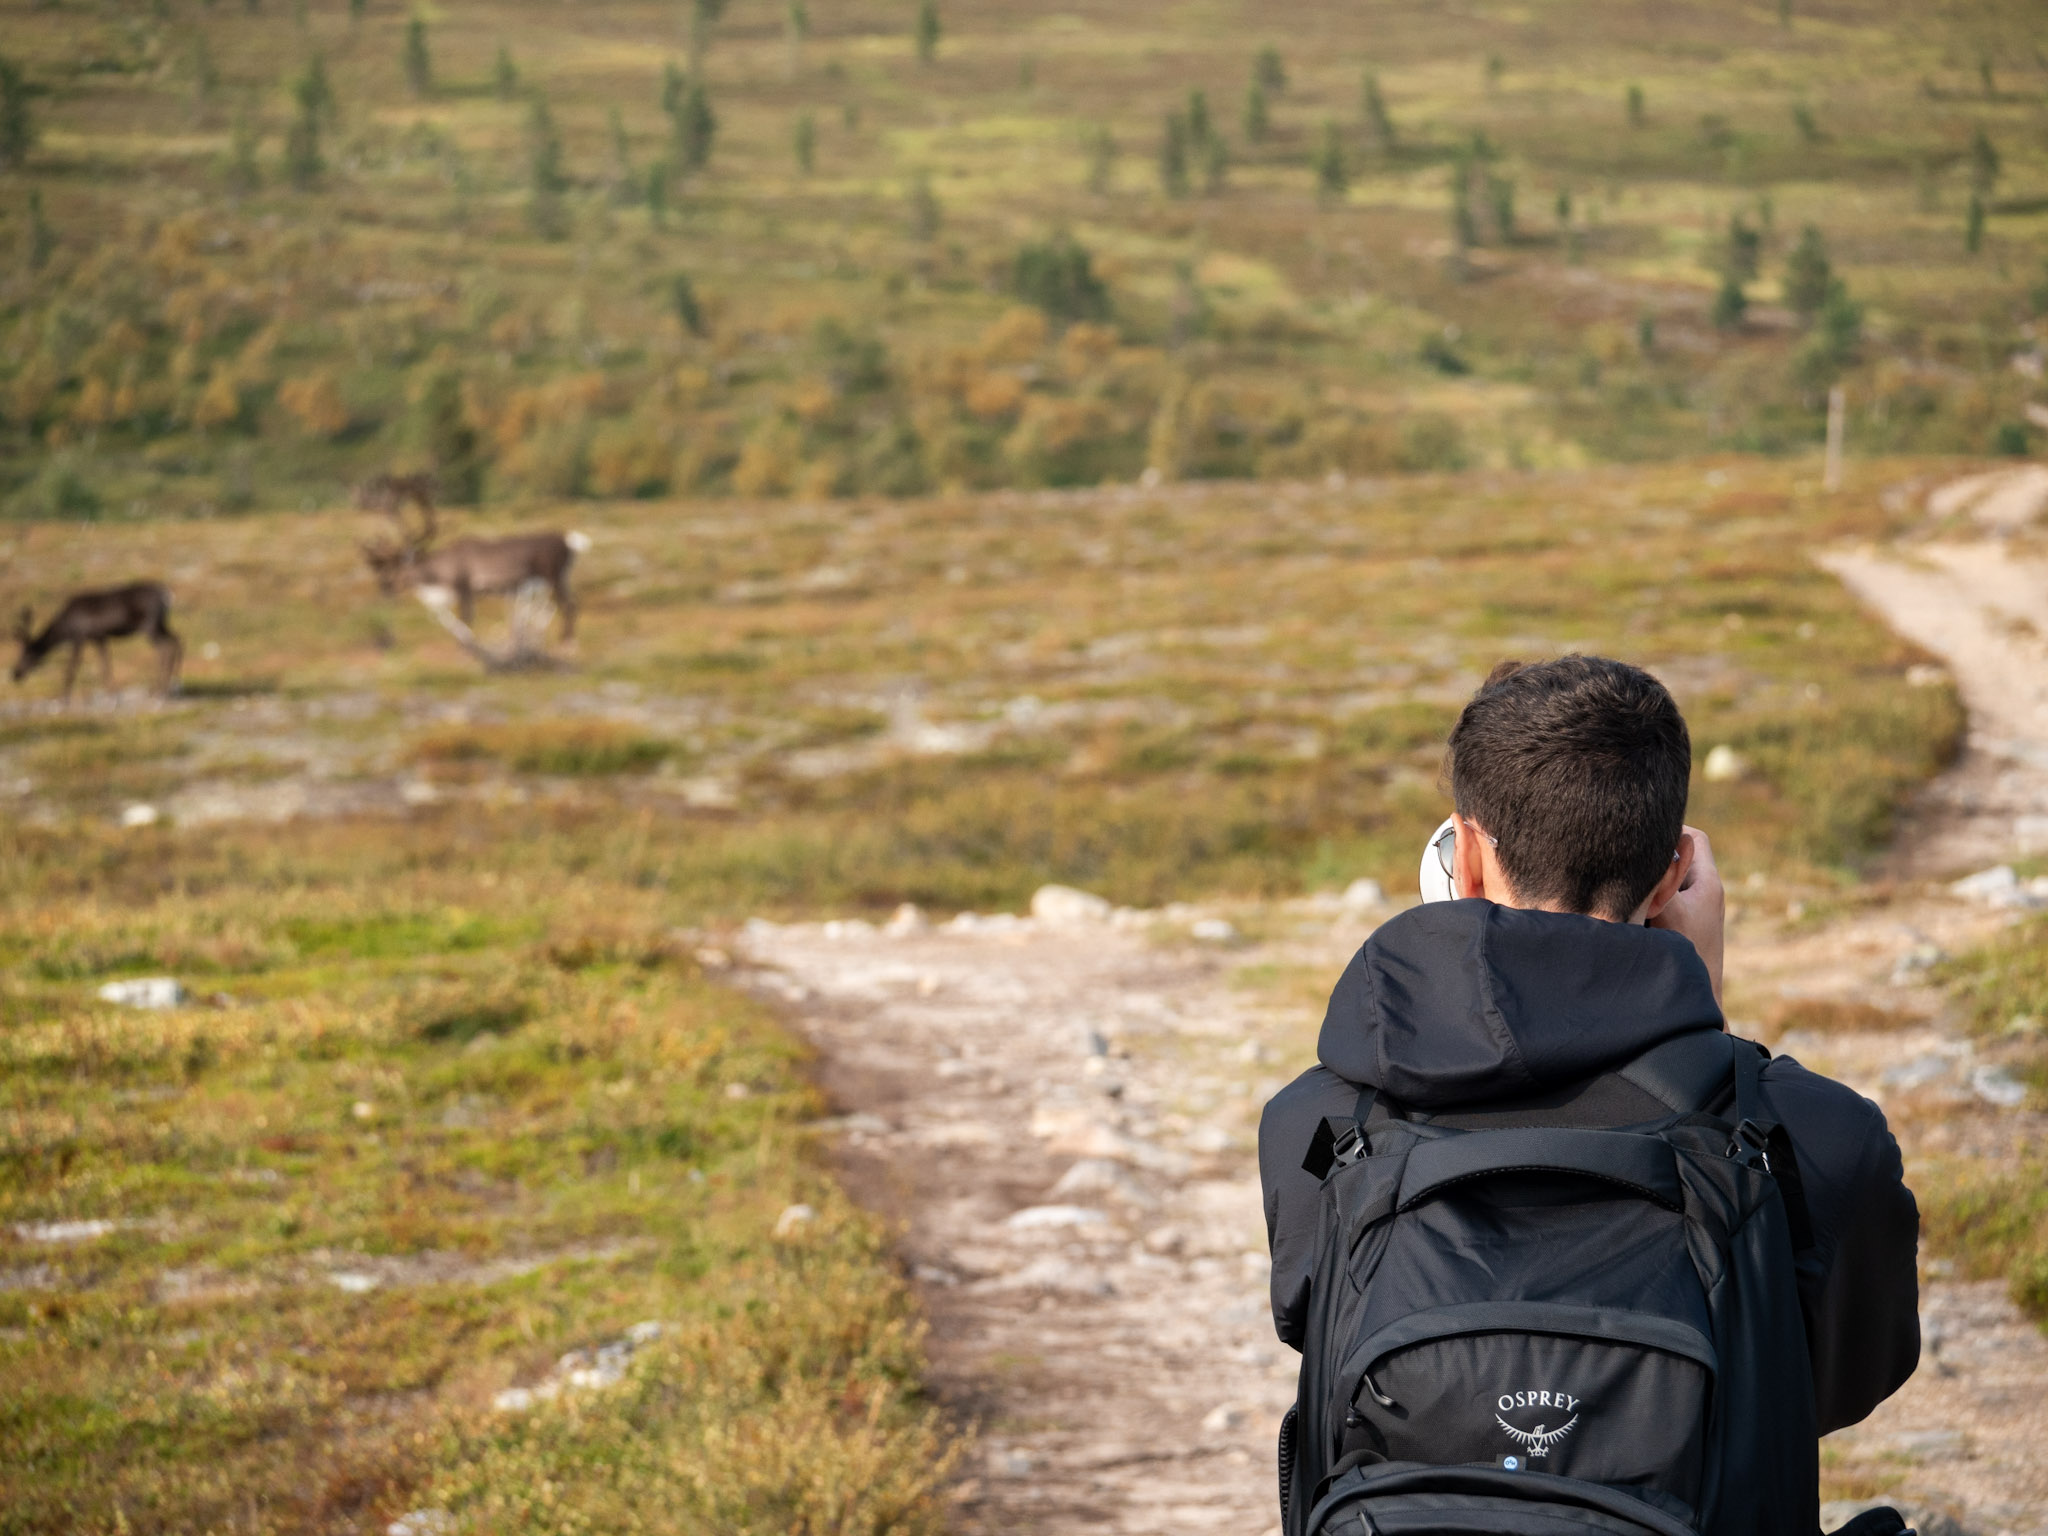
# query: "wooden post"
{"points": [[1838, 414]]}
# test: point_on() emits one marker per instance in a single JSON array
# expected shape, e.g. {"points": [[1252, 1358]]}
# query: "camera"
{"points": [[1438, 856]]}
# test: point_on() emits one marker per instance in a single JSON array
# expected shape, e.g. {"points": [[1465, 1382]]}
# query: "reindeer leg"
{"points": [[171, 651], [465, 603], [71, 669], [106, 666], [566, 601]]}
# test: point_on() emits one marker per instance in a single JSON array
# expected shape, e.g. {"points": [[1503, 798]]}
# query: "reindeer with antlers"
{"points": [[94, 618], [468, 567]]}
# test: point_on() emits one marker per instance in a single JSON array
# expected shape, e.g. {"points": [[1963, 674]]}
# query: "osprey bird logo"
{"points": [[1540, 1440]]}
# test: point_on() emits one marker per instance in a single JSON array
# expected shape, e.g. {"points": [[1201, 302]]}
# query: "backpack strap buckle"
{"points": [[1751, 1144]]}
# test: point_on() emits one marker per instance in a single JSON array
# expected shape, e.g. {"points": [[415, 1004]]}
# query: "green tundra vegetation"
{"points": [[244, 246], [462, 1090]]}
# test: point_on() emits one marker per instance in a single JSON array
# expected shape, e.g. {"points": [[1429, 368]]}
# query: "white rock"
{"points": [[145, 992], [1223, 1417], [1213, 930], [1924, 676], [1052, 1274], [139, 815], [1995, 1085], [1055, 1216], [1010, 1464], [1061, 906], [61, 1231], [1918, 1072], [1362, 895], [905, 920], [1724, 765], [1997, 886], [354, 1281], [422, 1522], [849, 928], [640, 1335], [513, 1400], [1100, 1176], [793, 1219]]}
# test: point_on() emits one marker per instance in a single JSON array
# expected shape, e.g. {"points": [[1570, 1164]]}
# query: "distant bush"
{"points": [[1637, 116], [315, 403], [1173, 156], [1058, 277], [17, 126], [1102, 152], [1268, 71], [505, 74], [927, 31], [545, 210], [695, 126], [419, 66]]}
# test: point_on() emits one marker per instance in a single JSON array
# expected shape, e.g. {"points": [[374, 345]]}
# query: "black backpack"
{"points": [[1553, 1329]]}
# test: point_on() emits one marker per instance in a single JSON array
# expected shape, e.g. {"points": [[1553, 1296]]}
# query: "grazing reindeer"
{"points": [[469, 566], [143, 607]]}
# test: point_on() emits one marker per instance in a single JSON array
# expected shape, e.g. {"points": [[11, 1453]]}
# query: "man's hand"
{"points": [[1700, 909]]}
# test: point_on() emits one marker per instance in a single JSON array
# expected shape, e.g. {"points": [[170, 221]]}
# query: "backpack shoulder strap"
{"points": [[1761, 1141], [1687, 1074], [1341, 1140]]}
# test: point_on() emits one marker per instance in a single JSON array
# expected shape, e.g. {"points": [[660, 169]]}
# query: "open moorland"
{"points": [[258, 251], [460, 1089]]}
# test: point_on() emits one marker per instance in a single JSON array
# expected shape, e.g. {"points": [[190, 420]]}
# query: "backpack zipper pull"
{"points": [[1377, 1395]]}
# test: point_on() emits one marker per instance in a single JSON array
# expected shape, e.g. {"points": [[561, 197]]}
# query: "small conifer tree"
{"points": [[1199, 126], [1500, 200], [1637, 113], [450, 440], [1973, 225], [419, 64], [696, 126], [682, 299], [17, 125], [1563, 207], [1378, 121], [42, 236], [1269, 72], [505, 74], [1743, 257], [357, 9], [243, 172], [1173, 157], [546, 182], [927, 31], [1730, 304], [626, 183], [1984, 163], [806, 142], [1215, 164], [659, 175], [1257, 122], [1808, 274], [312, 91], [1333, 176], [674, 84], [1802, 119]]}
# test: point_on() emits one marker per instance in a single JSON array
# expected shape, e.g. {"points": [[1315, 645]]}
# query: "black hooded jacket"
{"points": [[1465, 1007]]}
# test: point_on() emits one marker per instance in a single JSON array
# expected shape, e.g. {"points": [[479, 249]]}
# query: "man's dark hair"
{"points": [[1579, 767]]}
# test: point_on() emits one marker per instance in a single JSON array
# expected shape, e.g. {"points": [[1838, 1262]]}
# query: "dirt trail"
{"points": [[1985, 612], [1061, 1116]]}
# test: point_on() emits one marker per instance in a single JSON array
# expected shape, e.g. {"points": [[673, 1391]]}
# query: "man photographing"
{"points": [[1560, 1253]]}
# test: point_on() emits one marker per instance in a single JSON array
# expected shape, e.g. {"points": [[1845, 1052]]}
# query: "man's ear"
{"points": [[1468, 861], [1672, 883]]}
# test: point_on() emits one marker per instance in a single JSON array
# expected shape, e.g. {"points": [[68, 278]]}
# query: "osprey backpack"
{"points": [[1555, 1329]]}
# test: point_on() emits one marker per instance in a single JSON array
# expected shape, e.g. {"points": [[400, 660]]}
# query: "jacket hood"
{"points": [[1465, 1002]]}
